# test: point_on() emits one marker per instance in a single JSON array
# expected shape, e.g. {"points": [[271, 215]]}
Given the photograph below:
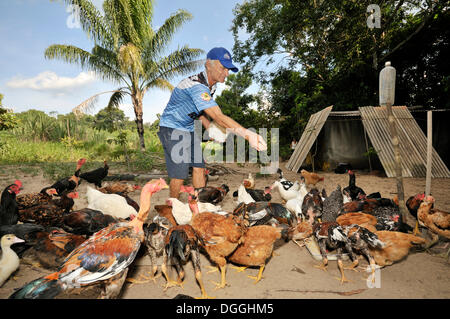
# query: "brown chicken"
{"points": [[118, 187], [437, 221], [368, 205], [182, 242], [221, 235], [249, 182], [413, 204], [364, 220], [311, 178], [257, 247], [50, 248], [166, 211], [397, 246], [32, 199]]}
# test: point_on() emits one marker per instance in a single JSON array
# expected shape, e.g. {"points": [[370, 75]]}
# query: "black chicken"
{"points": [[9, 209], [332, 205], [352, 190], [68, 183], [86, 221], [24, 231], [213, 195], [263, 213], [97, 175]]}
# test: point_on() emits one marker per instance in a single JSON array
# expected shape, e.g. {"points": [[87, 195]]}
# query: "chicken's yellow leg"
{"points": [[198, 276], [341, 269], [258, 278], [223, 283]]}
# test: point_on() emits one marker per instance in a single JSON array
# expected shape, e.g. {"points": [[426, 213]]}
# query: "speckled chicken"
{"points": [[332, 205], [312, 204], [100, 261], [33, 199]]}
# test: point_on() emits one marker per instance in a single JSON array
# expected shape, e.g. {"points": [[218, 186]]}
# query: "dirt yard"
{"points": [[290, 274]]}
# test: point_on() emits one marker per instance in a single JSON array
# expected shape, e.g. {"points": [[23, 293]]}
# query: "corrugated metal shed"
{"points": [[412, 142], [312, 130]]}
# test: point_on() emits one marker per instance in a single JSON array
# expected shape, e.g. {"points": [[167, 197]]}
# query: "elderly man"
{"points": [[192, 100]]}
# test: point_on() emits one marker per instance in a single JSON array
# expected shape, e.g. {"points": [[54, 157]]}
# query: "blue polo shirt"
{"points": [[187, 102]]}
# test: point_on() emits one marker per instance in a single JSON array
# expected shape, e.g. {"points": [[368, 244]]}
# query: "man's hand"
{"points": [[256, 141]]}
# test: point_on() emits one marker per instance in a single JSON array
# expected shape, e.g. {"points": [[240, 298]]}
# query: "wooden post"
{"points": [[387, 96], [429, 151]]}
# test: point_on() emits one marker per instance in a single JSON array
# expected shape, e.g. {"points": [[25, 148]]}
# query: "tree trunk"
{"points": [[137, 105]]}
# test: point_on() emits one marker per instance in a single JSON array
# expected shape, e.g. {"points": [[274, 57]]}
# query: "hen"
{"points": [[413, 204], [257, 247], [101, 261], [262, 213], [311, 178], [397, 246], [352, 190], [32, 199], [258, 195], [68, 183], [221, 235], [118, 187], [437, 221], [332, 205], [182, 242], [110, 204], [9, 262], [86, 221], [312, 204], [182, 212], [96, 176], [364, 220], [9, 210]]}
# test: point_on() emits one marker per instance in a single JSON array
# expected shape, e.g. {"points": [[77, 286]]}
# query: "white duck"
{"points": [[294, 205], [9, 262], [111, 204], [183, 214]]}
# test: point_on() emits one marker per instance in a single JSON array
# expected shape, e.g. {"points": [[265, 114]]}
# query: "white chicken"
{"points": [[294, 205], [243, 196], [183, 214], [110, 204], [9, 261]]}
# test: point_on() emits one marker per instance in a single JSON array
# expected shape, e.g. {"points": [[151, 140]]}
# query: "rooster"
{"points": [[9, 210], [311, 178], [182, 242], [96, 176], [68, 183], [101, 260]]}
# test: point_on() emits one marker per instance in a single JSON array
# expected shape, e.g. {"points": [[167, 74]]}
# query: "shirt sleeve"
{"points": [[201, 96]]}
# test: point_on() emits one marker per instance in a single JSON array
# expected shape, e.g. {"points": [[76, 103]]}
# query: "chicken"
{"points": [[295, 204], [118, 187], [221, 235], [352, 190], [243, 196], [361, 240], [257, 247], [397, 246], [249, 182], [364, 220], [9, 210], [24, 231], [413, 204], [32, 199], [332, 235], [68, 183], [111, 204], [50, 214], [262, 213], [86, 221], [302, 231], [311, 178], [96, 176], [102, 260], [437, 221], [182, 212], [368, 205], [165, 211], [332, 205], [211, 194], [50, 248], [182, 242], [287, 189], [9, 261], [312, 204]]}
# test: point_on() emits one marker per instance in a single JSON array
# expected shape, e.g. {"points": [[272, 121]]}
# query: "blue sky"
{"points": [[28, 27]]}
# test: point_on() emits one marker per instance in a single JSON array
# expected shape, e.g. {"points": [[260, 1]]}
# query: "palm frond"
{"points": [[89, 104], [116, 98], [160, 84]]}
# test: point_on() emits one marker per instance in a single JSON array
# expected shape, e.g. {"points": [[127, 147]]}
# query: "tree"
{"points": [[128, 52], [7, 119], [109, 119]]}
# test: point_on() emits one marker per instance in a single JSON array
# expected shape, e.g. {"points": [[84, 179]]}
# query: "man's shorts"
{"points": [[182, 149]]}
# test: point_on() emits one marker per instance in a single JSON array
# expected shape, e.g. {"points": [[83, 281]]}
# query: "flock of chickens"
{"points": [[90, 249]]}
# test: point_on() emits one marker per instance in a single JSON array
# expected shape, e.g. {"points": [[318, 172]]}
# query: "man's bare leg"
{"points": [[198, 177], [175, 186]]}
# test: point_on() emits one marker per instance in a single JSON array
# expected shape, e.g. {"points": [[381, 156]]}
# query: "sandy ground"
{"points": [[291, 273]]}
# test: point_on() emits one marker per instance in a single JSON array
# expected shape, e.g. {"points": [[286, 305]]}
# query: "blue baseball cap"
{"points": [[223, 56]]}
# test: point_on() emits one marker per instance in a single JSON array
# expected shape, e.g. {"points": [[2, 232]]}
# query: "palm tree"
{"points": [[128, 52]]}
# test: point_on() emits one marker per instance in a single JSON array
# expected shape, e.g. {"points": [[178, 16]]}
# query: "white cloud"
{"points": [[50, 81]]}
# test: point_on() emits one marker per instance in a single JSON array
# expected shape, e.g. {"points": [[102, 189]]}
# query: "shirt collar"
{"points": [[213, 87]]}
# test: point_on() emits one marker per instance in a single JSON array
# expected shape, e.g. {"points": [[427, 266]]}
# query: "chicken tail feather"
{"points": [[41, 288], [177, 244]]}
